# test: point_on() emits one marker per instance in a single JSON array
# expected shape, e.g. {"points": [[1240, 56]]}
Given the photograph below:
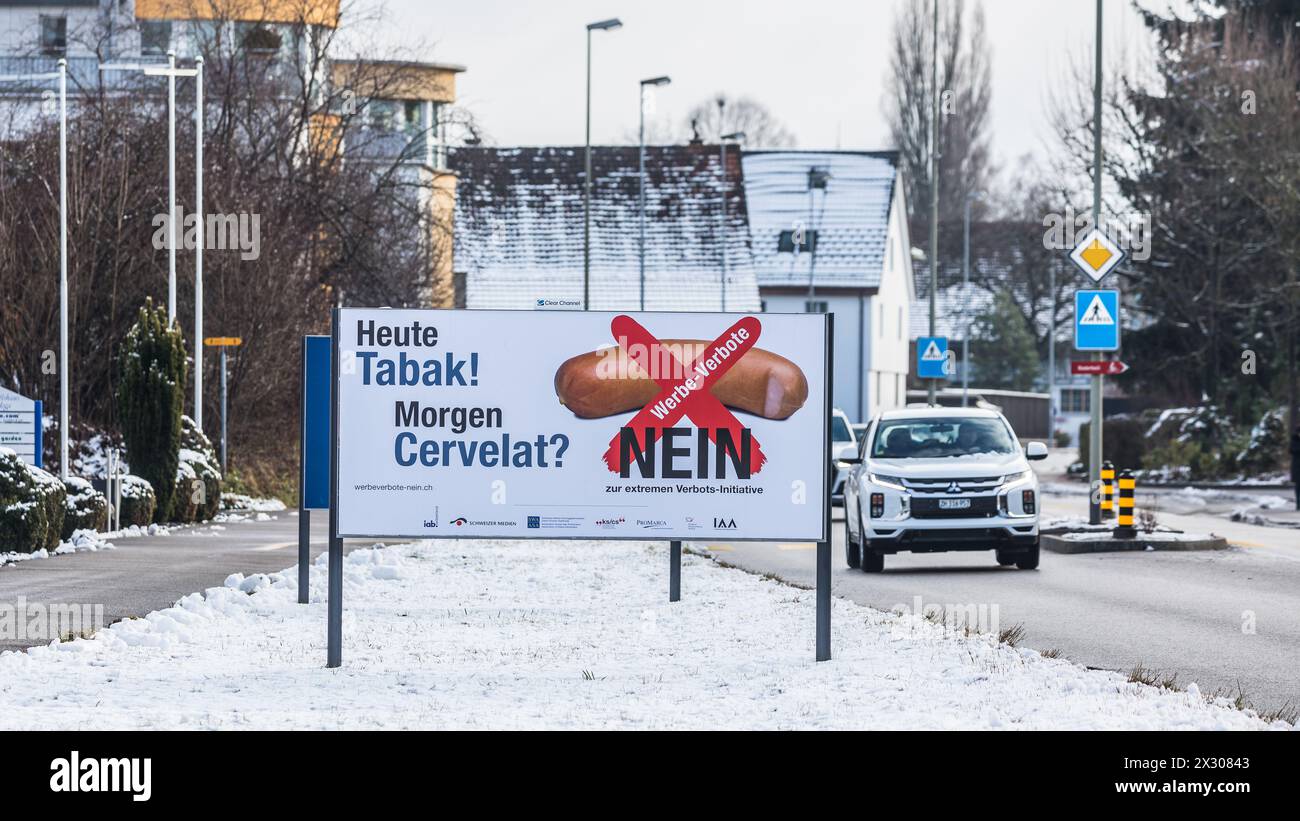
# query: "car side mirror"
{"points": [[849, 460], [1035, 451]]}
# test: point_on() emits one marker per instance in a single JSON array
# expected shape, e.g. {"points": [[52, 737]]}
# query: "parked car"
{"points": [[938, 479], [843, 443]]}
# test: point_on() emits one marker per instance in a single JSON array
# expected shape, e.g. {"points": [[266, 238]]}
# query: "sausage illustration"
{"points": [[608, 381]]}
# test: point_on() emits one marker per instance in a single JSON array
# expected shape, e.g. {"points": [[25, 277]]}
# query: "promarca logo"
{"points": [[127, 775]]}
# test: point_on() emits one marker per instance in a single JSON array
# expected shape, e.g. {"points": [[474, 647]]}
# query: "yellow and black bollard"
{"points": [[1107, 490], [1124, 528]]}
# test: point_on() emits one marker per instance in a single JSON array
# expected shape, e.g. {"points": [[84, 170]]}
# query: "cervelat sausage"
{"points": [[606, 382]]}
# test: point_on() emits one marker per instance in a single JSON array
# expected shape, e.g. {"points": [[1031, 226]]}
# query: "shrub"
{"points": [[205, 483], [1266, 449], [52, 495], [84, 508], [1123, 442], [138, 502], [150, 397], [24, 523]]}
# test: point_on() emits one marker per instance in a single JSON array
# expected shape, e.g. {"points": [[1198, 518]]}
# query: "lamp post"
{"points": [[171, 72], [602, 25], [934, 179], [198, 244], [738, 136], [61, 74], [652, 82], [965, 288]]}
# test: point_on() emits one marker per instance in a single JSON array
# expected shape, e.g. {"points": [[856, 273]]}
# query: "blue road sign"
{"points": [[316, 422], [1096, 320], [931, 356]]}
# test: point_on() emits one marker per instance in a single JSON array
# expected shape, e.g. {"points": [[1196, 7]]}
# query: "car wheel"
{"points": [[873, 561], [1029, 559], [1005, 558], [852, 550]]}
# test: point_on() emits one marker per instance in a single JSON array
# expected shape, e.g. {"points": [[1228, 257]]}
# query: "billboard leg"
{"points": [[334, 631], [823, 601], [674, 571], [304, 555]]}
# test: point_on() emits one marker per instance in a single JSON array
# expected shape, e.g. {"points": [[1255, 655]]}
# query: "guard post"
{"points": [[1124, 529], [1107, 490]]}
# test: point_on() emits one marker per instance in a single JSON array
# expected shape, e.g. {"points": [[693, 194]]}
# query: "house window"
{"points": [[54, 35], [785, 242], [155, 36], [1075, 400], [816, 306], [256, 38]]}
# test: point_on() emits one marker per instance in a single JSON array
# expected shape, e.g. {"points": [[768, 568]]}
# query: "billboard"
{"points": [[20, 426], [582, 424]]}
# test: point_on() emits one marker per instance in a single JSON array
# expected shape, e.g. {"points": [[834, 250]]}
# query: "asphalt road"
{"points": [[1177, 612], [151, 572]]}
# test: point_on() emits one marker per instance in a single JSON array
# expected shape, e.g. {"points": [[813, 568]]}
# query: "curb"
{"points": [[1058, 545]]}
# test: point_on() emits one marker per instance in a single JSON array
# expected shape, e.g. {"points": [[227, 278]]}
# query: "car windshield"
{"points": [[840, 430], [937, 437]]}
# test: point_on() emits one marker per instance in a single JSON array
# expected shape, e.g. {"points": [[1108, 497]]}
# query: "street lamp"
{"points": [[738, 136], [62, 76], [602, 25], [971, 197], [653, 82], [171, 72]]}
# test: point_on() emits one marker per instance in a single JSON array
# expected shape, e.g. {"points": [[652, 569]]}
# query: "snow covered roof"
{"points": [[850, 215], [519, 227]]}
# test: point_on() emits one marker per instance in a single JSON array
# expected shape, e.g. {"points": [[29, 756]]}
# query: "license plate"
{"points": [[954, 504]]}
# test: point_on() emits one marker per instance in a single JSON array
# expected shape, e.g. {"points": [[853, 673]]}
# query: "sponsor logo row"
{"points": [[549, 522]]}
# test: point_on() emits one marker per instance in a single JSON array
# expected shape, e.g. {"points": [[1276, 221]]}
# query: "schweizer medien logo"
{"points": [[460, 521]]}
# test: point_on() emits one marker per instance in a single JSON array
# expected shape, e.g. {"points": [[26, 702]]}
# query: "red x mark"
{"points": [[700, 404]]}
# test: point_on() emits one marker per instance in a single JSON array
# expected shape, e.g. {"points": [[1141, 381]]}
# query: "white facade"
{"points": [[863, 268]]}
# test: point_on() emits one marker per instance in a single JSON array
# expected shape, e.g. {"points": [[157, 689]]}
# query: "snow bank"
{"points": [[557, 635], [80, 541]]}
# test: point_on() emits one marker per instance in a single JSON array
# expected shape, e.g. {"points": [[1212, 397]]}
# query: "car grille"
{"points": [[980, 507], [967, 484]]}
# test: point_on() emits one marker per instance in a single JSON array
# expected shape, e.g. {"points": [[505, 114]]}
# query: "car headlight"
{"points": [[894, 482], [1012, 478]]}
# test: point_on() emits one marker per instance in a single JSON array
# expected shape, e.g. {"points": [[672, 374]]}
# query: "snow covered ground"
{"points": [[558, 635]]}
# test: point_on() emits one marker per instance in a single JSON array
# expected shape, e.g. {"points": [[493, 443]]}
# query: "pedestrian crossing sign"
{"points": [[1096, 320], [931, 357]]}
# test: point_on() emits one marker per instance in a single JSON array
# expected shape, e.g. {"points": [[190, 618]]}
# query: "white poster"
{"points": [[519, 424]]}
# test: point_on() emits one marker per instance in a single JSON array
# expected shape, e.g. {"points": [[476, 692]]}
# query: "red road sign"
{"points": [[1087, 367]]}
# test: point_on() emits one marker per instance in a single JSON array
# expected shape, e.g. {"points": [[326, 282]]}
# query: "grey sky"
{"points": [[819, 65]]}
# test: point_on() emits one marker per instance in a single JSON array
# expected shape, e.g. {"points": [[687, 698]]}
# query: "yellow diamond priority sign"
{"points": [[1097, 255]]}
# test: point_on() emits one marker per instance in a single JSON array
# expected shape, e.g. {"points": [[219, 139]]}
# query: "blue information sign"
{"points": [[316, 422], [931, 357], [1096, 320]]}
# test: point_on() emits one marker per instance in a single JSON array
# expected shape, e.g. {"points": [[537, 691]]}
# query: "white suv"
{"points": [[936, 479]]}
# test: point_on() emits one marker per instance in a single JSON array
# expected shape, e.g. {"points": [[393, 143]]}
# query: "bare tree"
{"points": [[965, 90], [720, 114]]}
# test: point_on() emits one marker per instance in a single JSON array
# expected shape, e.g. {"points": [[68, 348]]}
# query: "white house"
{"points": [[828, 231]]}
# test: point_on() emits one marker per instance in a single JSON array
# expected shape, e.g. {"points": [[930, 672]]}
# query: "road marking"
{"points": [[281, 546]]}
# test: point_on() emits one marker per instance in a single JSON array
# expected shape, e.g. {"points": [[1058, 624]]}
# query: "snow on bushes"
{"points": [[138, 502], [198, 480], [31, 506], [84, 508]]}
